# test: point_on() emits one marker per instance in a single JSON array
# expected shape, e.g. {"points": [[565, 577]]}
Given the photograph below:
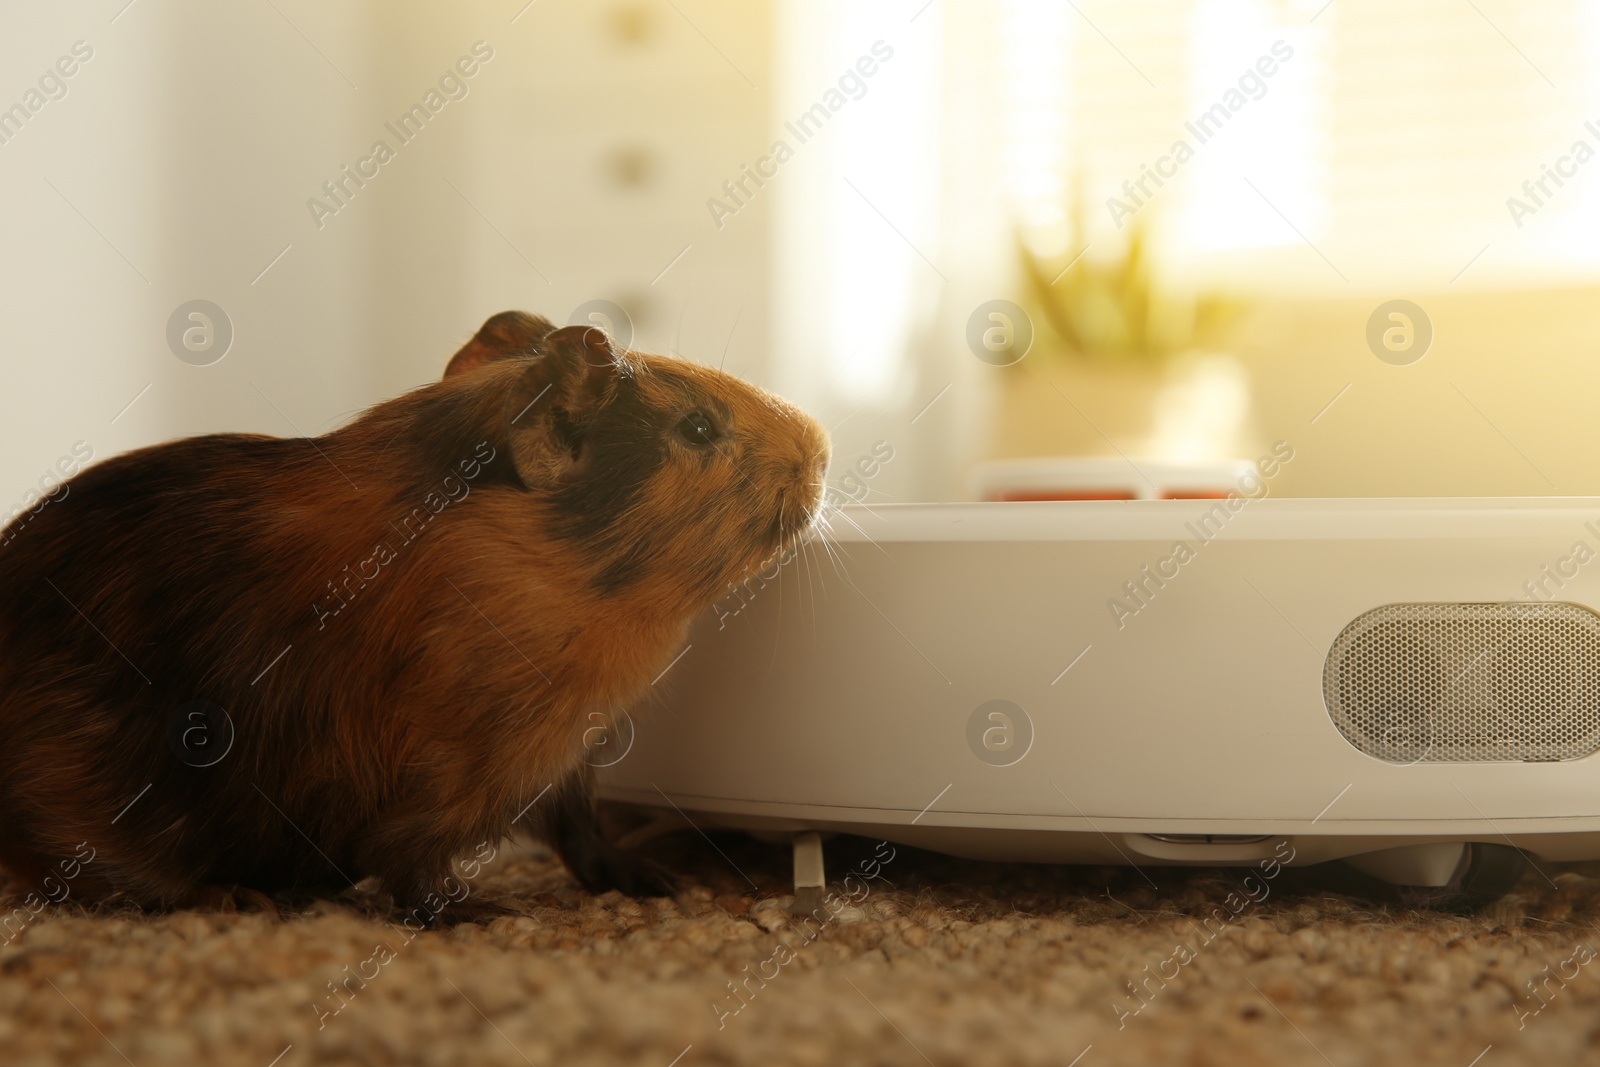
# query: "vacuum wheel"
{"points": [[1487, 873]]}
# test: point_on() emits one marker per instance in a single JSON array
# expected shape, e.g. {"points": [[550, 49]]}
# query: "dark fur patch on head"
{"points": [[661, 511], [623, 448]]}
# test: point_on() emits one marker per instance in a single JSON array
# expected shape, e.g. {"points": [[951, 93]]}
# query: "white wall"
{"points": [[183, 147], [194, 137]]}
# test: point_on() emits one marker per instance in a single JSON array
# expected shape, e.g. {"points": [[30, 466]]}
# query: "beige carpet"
{"points": [[952, 963]]}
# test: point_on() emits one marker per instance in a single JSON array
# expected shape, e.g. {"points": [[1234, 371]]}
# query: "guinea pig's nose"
{"points": [[821, 455], [812, 468]]}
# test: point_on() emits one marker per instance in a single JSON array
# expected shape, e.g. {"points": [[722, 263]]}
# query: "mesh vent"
{"points": [[1459, 683]]}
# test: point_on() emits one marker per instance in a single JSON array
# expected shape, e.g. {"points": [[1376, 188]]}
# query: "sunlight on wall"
{"points": [[1271, 156], [862, 194], [1035, 37]]}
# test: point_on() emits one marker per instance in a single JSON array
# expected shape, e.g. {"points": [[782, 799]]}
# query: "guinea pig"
{"points": [[245, 664]]}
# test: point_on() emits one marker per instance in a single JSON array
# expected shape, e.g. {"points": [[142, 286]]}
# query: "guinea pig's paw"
{"points": [[605, 867], [228, 898]]}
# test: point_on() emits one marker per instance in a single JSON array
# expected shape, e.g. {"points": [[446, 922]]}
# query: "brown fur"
{"points": [[425, 698]]}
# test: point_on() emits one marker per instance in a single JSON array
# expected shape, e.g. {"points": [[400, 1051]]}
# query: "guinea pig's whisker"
{"points": [[777, 634], [829, 547], [862, 531], [807, 557], [874, 489], [864, 506], [832, 562], [818, 544], [842, 550], [820, 530]]}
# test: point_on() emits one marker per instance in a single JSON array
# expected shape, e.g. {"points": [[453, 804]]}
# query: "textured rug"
{"points": [[932, 961]]}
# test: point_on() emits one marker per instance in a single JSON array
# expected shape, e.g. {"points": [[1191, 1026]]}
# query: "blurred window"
{"points": [[1352, 139]]}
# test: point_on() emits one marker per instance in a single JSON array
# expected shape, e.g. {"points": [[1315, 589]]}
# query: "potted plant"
{"points": [[1125, 364]]}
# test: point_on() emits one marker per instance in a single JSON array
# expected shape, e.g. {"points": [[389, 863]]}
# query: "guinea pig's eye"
{"points": [[698, 429]]}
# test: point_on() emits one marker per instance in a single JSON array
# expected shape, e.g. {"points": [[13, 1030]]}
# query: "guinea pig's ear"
{"points": [[555, 401], [508, 334]]}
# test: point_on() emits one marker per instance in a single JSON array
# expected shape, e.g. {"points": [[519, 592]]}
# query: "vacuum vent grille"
{"points": [[1459, 683]]}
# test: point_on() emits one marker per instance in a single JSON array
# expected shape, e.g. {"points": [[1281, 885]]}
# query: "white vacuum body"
{"points": [[1154, 682]]}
